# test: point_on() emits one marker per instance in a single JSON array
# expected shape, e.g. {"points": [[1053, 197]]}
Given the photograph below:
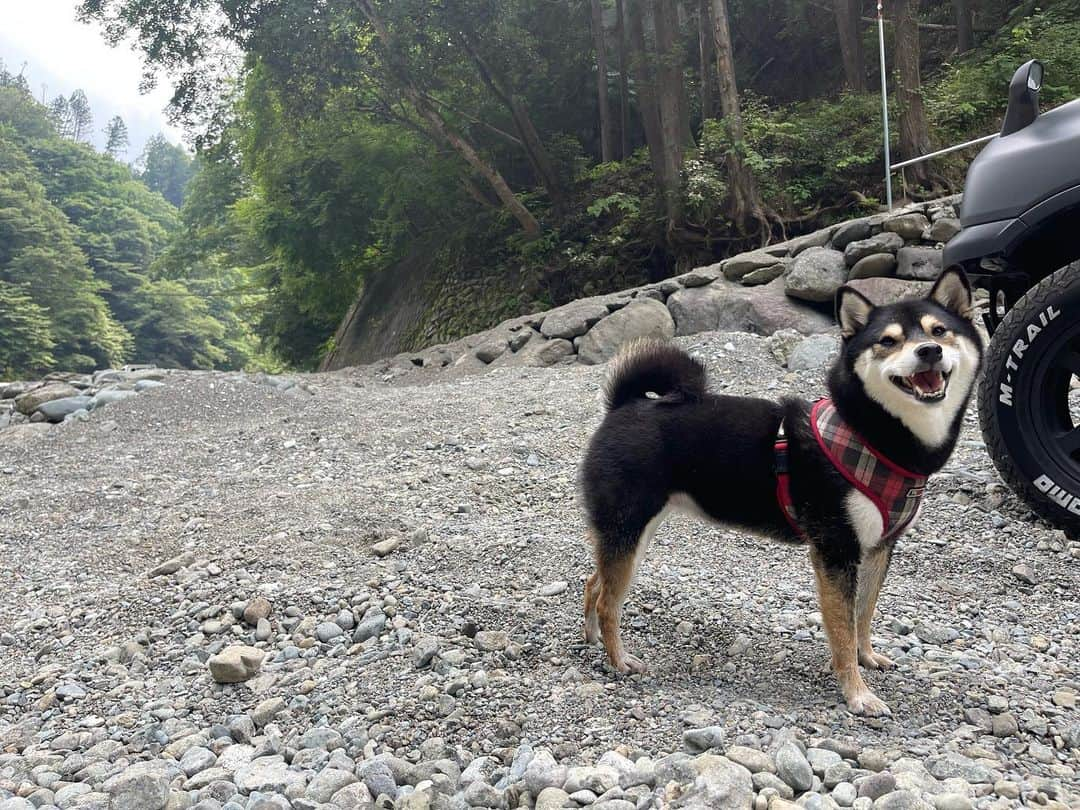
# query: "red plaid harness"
{"points": [[893, 490]]}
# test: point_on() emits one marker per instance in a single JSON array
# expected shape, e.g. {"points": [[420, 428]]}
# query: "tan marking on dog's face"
{"points": [[931, 325], [890, 341]]}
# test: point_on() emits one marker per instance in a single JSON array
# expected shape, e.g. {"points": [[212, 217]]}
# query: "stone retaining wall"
{"points": [[790, 285]]}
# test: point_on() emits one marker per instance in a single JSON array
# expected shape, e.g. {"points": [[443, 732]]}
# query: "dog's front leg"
{"points": [[836, 593], [872, 570]]}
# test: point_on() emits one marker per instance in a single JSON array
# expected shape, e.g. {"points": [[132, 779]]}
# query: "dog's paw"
{"points": [[630, 665], [592, 632], [868, 704], [875, 660]]}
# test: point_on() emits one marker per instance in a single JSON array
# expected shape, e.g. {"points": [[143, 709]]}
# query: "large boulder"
{"points": [[816, 275], [567, 322], [878, 243], [538, 352], [719, 783], [32, 400], [142, 785], [944, 229], [884, 291], [738, 266], [874, 266], [56, 409], [918, 263], [908, 226], [641, 318], [850, 232], [727, 307]]}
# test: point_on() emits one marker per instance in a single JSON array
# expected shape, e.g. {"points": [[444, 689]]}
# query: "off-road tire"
{"points": [[1023, 398]]}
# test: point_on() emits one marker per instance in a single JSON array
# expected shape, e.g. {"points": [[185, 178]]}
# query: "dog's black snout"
{"points": [[929, 352]]}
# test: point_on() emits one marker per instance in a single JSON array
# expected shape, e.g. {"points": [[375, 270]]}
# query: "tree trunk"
{"points": [[645, 76], [600, 46], [848, 28], [671, 105], [705, 60], [745, 204], [443, 130], [541, 162], [914, 140], [965, 37], [624, 83]]}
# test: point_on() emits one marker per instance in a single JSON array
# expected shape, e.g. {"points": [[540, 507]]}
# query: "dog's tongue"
{"points": [[928, 382]]}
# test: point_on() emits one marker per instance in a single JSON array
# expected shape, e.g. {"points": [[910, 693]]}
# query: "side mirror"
{"points": [[1023, 97]]}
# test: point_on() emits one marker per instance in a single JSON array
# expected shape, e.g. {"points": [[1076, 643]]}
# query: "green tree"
{"points": [[116, 137], [80, 115], [25, 334], [165, 168]]}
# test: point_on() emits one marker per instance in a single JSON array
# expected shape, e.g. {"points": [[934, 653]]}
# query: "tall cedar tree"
{"points": [[849, 30], [914, 140], [600, 46]]}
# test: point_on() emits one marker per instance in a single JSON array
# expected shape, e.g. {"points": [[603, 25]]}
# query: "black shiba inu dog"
{"points": [[844, 475]]}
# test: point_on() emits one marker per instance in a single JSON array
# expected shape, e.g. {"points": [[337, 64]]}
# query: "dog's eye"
{"points": [[887, 341], [938, 331]]}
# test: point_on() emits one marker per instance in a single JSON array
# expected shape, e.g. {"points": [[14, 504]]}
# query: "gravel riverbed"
{"points": [[406, 562]]}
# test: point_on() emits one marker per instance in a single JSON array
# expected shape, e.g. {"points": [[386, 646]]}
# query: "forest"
{"points": [[526, 152]]}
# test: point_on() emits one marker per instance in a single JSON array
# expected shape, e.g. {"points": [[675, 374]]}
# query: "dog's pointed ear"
{"points": [[952, 291], [852, 310]]}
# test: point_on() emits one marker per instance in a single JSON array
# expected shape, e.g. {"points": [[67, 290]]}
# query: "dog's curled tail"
{"points": [[650, 365]]}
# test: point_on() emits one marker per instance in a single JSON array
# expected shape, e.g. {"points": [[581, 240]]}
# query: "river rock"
{"points": [[793, 767], [816, 275], [850, 232], [738, 266], [873, 266], [907, 226], [142, 785], [878, 243], [764, 275], [719, 783], [813, 352], [642, 318], [29, 402], [567, 322], [235, 664], [919, 263], [944, 229], [884, 291]]}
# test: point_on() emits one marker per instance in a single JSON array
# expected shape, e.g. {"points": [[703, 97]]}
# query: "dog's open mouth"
{"points": [[928, 386]]}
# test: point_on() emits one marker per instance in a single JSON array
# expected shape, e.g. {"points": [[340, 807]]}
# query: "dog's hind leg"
{"points": [[592, 620], [872, 570], [616, 566], [836, 592]]}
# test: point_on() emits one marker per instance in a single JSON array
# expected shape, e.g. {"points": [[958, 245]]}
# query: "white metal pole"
{"points": [[884, 105]]}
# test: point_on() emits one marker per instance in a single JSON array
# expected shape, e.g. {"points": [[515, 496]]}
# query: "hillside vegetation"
{"points": [[509, 155]]}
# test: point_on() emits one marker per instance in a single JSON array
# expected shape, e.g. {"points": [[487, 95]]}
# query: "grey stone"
{"points": [[327, 783], [907, 226], [235, 664], [902, 800], [764, 275], [377, 777], [642, 318], [328, 631], [142, 786], [370, 626], [793, 767], [953, 765], [257, 608], [884, 291], [197, 759], [543, 772], [265, 775], [30, 401], [111, 397], [355, 796], [738, 266], [879, 243], [719, 782], [874, 266], [918, 263], [567, 322], [750, 758], [700, 276], [944, 229], [952, 801], [820, 759], [816, 239], [764, 779], [55, 410], [812, 352], [538, 352], [491, 349], [481, 794], [551, 798], [935, 633], [850, 232], [173, 565], [703, 739], [876, 785], [816, 275], [267, 710], [598, 779]]}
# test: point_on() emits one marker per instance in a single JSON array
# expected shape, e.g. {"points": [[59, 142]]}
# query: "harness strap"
{"points": [[783, 479]]}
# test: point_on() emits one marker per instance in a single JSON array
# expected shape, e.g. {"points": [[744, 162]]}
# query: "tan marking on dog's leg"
{"points": [[615, 578], [838, 613], [592, 621], [872, 571]]}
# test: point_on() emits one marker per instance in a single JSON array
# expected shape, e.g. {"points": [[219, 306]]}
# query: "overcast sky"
{"points": [[64, 54]]}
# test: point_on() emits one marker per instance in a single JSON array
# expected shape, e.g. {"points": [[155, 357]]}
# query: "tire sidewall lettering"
{"points": [[1020, 349]]}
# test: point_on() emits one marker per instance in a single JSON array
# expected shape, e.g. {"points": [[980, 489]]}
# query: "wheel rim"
{"points": [[1052, 417]]}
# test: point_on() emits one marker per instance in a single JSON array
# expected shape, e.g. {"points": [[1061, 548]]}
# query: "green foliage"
{"points": [[620, 200], [968, 100], [165, 168], [25, 333]]}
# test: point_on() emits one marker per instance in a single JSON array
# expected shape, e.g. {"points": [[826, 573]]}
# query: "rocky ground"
{"points": [[406, 565]]}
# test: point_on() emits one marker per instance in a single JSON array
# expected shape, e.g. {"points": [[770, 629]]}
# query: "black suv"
{"points": [[1021, 241]]}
